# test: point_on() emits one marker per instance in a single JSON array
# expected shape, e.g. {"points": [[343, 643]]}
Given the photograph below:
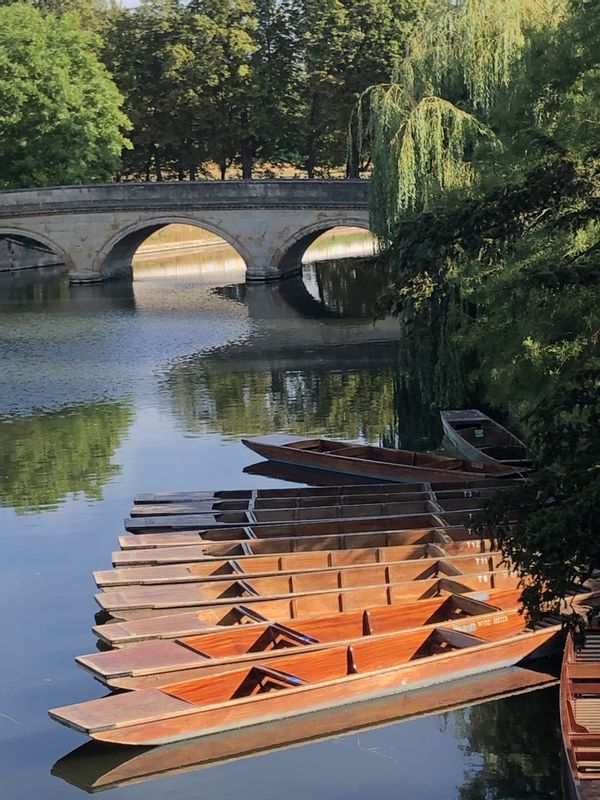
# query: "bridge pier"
{"points": [[269, 274]]}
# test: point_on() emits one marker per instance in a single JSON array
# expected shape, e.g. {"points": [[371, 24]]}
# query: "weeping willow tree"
{"points": [[423, 130], [495, 254], [434, 138]]}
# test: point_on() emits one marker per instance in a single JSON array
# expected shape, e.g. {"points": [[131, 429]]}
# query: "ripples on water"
{"points": [[113, 389]]}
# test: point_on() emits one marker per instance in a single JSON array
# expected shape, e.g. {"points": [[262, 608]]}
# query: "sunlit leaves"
{"points": [[60, 112]]}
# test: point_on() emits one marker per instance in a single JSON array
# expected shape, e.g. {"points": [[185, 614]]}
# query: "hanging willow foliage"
{"points": [[474, 49], [419, 149], [423, 128]]}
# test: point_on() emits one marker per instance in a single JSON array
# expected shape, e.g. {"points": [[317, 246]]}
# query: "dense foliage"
{"points": [[60, 113], [211, 87], [488, 195]]}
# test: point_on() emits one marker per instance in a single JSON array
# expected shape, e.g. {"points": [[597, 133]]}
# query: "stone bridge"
{"points": [[96, 229]]}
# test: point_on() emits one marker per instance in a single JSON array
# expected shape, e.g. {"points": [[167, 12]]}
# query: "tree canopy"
{"points": [[486, 169], [60, 112]]}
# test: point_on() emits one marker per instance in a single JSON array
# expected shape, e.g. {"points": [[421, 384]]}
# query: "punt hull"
{"points": [[452, 419], [231, 520], [94, 767], [162, 663], [363, 468], [143, 602], [232, 569], [201, 723], [581, 780], [130, 633]]}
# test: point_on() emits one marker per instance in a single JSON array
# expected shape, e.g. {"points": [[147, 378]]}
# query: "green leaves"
{"points": [[497, 286], [60, 113]]}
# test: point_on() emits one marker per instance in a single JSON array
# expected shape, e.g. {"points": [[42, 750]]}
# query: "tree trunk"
{"points": [[223, 169], [311, 159], [148, 168], [180, 173], [247, 150], [193, 173], [353, 162], [157, 165]]}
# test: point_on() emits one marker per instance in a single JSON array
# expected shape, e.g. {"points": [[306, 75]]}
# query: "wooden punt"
{"points": [[184, 503], [163, 662], [249, 567], [129, 633], [382, 463], [311, 493], [318, 477], [425, 504], [476, 436], [454, 541], [336, 590], [96, 767], [293, 493], [297, 530], [406, 579], [305, 682], [580, 716]]}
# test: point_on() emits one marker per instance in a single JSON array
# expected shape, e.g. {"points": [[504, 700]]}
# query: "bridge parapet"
{"points": [[96, 229]]}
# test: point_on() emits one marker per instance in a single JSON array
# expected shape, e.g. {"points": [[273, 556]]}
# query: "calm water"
{"points": [[111, 390]]}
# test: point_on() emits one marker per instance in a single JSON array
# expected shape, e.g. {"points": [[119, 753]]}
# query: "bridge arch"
{"points": [[34, 237], [114, 259], [288, 257]]}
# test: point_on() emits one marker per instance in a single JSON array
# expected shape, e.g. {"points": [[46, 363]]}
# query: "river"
{"points": [[110, 390]]}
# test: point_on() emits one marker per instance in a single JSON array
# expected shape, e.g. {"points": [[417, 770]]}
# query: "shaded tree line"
{"points": [[205, 88]]}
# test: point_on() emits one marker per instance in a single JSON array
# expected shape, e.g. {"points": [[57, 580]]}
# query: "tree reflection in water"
{"points": [[47, 455], [512, 747], [348, 287], [347, 392]]}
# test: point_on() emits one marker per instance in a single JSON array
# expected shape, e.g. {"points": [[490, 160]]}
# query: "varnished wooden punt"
{"points": [[580, 716], [388, 493], [136, 614], [164, 662], [454, 541], [318, 477], [304, 682], [251, 567], [209, 620], [405, 579], [477, 436], [382, 463], [309, 492], [261, 518], [95, 767], [297, 530]]}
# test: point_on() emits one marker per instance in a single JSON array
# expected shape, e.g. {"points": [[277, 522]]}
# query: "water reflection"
{"points": [[512, 749], [324, 391], [38, 285], [47, 456], [347, 287]]}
